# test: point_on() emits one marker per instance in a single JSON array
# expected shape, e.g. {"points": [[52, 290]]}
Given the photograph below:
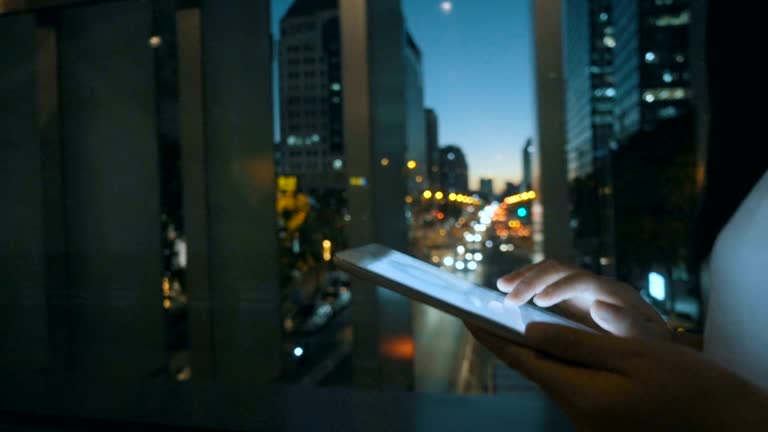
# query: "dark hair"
{"points": [[735, 159]]}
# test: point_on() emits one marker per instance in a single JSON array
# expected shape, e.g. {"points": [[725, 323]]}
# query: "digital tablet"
{"points": [[430, 285]]}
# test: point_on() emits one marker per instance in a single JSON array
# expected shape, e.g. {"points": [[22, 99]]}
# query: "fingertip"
{"points": [[542, 301], [512, 298], [505, 285]]}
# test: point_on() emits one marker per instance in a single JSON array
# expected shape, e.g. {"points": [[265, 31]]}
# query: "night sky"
{"points": [[478, 76]]}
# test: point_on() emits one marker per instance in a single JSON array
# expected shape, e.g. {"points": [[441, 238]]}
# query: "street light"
{"points": [[411, 164], [439, 195], [427, 194], [327, 245]]}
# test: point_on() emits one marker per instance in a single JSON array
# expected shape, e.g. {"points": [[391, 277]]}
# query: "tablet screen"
{"points": [[431, 285]]}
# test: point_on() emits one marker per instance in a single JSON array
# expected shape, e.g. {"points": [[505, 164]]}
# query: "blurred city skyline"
{"points": [[478, 77]]}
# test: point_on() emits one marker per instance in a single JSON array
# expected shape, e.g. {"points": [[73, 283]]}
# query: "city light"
{"points": [[446, 7], [472, 266], [657, 286], [327, 250], [436, 259], [478, 256], [460, 249], [448, 261], [427, 194], [460, 265], [522, 212], [468, 256], [298, 351], [525, 196], [411, 164], [488, 244], [452, 197], [419, 179], [155, 41], [439, 195], [358, 181], [409, 199], [166, 304], [384, 162]]}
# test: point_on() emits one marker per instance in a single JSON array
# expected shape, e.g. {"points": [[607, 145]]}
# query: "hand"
{"points": [[588, 298], [605, 382]]}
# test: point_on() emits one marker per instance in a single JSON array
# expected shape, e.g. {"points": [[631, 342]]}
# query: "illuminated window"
{"points": [[610, 92], [679, 58], [291, 140], [338, 164], [649, 97], [673, 20], [609, 41], [603, 16], [667, 77], [650, 57], [451, 156], [336, 87]]}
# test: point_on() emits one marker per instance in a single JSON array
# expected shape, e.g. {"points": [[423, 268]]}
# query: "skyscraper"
{"points": [[433, 144], [651, 63], [588, 40], [311, 94], [453, 170], [527, 182], [486, 188], [416, 135]]}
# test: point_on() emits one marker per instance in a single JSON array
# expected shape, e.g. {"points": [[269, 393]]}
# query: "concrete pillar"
{"points": [[373, 42], [110, 168], [23, 333], [229, 189], [552, 237]]}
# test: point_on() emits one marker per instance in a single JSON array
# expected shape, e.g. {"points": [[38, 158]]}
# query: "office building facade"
{"points": [[311, 112], [453, 170]]}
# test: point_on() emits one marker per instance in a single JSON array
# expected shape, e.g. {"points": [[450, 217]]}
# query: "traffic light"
{"points": [[522, 212]]}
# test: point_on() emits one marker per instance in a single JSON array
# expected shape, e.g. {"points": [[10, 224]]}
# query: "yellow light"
{"points": [[452, 196], [155, 41], [327, 245], [409, 199], [411, 164], [427, 194], [435, 259], [419, 179], [287, 183], [166, 304], [532, 195], [384, 162], [166, 287], [439, 195]]}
